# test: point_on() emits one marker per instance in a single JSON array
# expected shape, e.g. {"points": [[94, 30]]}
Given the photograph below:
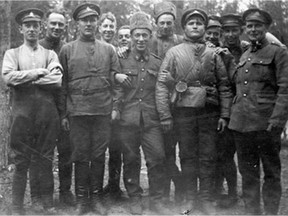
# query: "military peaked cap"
{"points": [[86, 9], [231, 20], [256, 14], [31, 14], [193, 12]]}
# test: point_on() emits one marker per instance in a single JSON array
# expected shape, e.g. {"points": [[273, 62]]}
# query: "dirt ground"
{"points": [[121, 207]]}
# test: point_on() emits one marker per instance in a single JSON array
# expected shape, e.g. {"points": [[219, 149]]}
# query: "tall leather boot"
{"points": [[18, 191], [81, 187], [96, 187]]}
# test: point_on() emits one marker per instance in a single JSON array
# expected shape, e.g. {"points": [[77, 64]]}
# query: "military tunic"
{"points": [[140, 125], [261, 99]]}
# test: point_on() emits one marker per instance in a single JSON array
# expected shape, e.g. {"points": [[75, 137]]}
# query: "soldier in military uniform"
{"points": [[139, 122], [55, 28], [225, 164], [259, 113], [163, 39], [115, 151], [34, 74], [87, 103], [199, 75]]}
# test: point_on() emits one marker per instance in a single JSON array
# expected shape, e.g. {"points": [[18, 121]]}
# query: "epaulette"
{"points": [[156, 56]]}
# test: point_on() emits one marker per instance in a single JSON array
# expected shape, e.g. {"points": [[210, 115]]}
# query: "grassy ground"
{"points": [[121, 207]]}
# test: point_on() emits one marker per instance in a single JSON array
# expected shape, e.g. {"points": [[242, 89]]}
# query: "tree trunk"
{"points": [[5, 8]]}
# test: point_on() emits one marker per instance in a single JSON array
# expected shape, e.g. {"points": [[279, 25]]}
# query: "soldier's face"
{"points": [[165, 25], [140, 39], [87, 26], [255, 31], [107, 30], [30, 30], [124, 38], [55, 25], [232, 34], [213, 34], [194, 28]]}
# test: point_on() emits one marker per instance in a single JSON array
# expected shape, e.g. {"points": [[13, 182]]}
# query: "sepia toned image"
{"points": [[143, 107]]}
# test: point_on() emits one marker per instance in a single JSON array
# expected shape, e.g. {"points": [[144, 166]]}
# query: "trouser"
{"points": [[64, 166], [115, 158], [253, 147], [151, 141], [225, 164], [89, 136], [197, 131], [33, 138], [172, 170]]}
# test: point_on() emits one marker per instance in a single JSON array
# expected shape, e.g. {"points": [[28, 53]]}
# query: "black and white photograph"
{"points": [[144, 107]]}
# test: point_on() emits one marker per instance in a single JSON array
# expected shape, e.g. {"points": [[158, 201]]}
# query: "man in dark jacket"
{"points": [[55, 27], [259, 113], [197, 71], [87, 105]]}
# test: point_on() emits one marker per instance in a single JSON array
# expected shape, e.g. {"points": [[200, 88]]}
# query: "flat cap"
{"points": [[164, 8], [86, 9], [193, 12], [214, 21], [231, 20], [140, 20], [256, 14], [30, 14]]}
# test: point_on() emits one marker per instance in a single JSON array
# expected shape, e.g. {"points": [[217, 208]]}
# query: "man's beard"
{"points": [[161, 32]]}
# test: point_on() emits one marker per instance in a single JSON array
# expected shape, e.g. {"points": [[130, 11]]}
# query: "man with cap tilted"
{"points": [[34, 74], [259, 113], [199, 75], [55, 28], [87, 102], [213, 31], [139, 122]]}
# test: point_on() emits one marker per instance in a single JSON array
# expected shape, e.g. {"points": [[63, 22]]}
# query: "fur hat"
{"points": [[140, 20], [164, 8]]}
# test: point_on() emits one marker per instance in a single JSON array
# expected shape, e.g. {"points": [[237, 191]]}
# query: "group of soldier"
{"points": [[206, 91]]}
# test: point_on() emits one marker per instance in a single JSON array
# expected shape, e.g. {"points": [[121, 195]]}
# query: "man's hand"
{"points": [[123, 79], [122, 52], [115, 115], [222, 123], [41, 72], [165, 76], [65, 124], [220, 50], [167, 125]]}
